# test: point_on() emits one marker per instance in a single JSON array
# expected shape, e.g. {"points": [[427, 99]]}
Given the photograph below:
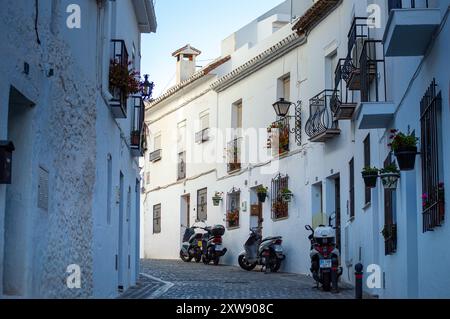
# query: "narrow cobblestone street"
{"points": [[162, 279]]}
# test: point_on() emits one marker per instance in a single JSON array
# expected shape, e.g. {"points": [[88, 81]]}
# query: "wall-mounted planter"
{"points": [[370, 179], [261, 197], [216, 201], [390, 180], [406, 158]]}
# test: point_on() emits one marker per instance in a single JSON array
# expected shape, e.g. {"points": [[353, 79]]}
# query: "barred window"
{"points": [[431, 139], [280, 204], [202, 204]]}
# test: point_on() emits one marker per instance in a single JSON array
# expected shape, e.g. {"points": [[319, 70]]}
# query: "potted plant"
{"points": [[279, 209], [261, 192], [389, 176], [123, 79], [370, 175], [233, 218], [217, 198], [286, 195], [404, 147]]}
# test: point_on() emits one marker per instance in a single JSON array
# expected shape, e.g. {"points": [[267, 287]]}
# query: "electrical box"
{"points": [[6, 151]]}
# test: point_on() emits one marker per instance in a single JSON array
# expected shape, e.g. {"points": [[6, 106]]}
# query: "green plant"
{"points": [[262, 190], [370, 170], [286, 192], [401, 140], [391, 168]]}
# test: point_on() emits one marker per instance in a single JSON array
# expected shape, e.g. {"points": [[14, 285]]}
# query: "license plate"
{"points": [[325, 263], [278, 248], [218, 247], [200, 243]]}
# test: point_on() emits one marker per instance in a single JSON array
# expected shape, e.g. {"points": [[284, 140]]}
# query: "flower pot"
{"points": [[390, 180], [406, 158], [370, 180], [216, 201], [262, 197], [287, 198]]}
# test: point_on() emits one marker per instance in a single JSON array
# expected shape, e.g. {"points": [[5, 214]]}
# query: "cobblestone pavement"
{"points": [[163, 279]]}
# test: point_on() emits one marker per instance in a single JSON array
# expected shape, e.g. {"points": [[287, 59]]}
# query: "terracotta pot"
{"points": [[262, 197], [370, 180], [406, 158]]}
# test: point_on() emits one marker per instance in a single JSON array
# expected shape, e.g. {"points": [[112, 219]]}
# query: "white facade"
{"points": [[317, 171], [67, 203]]}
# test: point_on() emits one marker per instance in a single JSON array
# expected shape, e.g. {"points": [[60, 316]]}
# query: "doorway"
{"points": [[18, 197], [120, 243], [185, 214], [256, 211], [337, 205]]}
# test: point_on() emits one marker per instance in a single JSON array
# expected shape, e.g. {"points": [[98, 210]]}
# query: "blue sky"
{"points": [[202, 23]]}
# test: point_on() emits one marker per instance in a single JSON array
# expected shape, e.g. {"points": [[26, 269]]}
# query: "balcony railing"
{"points": [[118, 103], [405, 4], [138, 133], [155, 156], [343, 100], [321, 125], [373, 72], [279, 136], [202, 136], [181, 166], [234, 155]]}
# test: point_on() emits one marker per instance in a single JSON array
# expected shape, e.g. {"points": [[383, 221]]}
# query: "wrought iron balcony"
{"points": [[234, 155], [118, 103], [138, 138], [156, 156], [321, 125], [202, 136], [181, 166], [410, 27], [342, 102]]}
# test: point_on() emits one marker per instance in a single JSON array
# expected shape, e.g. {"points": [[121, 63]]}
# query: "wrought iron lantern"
{"points": [[147, 88], [282, 107], [6, 150]]}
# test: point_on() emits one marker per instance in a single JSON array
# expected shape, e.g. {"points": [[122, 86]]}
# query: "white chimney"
{"points": [[186, 65]]}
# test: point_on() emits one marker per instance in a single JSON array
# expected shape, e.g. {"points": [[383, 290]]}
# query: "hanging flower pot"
{"points": [[286, 195], [217, 198], [370, 176], [389, 176], [261, 192], [404, 147]]}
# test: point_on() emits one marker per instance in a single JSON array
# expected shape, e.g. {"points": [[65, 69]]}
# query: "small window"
{"points": [[367, 163], [157, 219], [287, 88], [237, 115], [147, 178], [202, 204], [204, 121], [157, 142]]}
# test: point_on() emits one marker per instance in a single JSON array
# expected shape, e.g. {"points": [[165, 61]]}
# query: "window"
{"points": [[432, 186], [202, 204], [331, 62], [181, 166], [157, 142], [181, 137], [204, 120], [109, 191], [147, 178], [352, 188], [203, 135], [368, 191], [156, 155], [237, 116], [157, 219], [233, 208], [390, 225], [280, 204]]}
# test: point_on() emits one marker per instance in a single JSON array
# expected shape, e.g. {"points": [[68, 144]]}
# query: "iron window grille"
{"points": [[398, 4], [157, 219], [280, 208], [202, 136], [279, 136], [202, 204], [321, 124], [233, 208], [156, 156], [119, 101], [432, 186]]}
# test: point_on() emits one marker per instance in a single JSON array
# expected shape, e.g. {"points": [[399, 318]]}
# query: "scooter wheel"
{"points": [[185, 258], [198, 259], [244, 264], [205, 260], [326, 281], [216, 261], [276, 266]]}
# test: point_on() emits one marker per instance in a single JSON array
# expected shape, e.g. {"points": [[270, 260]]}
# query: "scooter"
{"points": [[212, 244], [324, 257], [191, 248], [266, 252]]}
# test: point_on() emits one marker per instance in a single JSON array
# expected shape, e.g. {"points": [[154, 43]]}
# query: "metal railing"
{"points": [[155, 155], [119, 55], [320, 115], [202, 136], [373, 72], [234, 155], [407, 4]]}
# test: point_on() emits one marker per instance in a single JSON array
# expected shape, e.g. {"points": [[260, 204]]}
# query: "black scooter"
{"points": [[212, 244], [191, 248]]}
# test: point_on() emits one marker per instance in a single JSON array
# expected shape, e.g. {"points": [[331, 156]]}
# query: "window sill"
{"points": [[352, 219], [280, 219], [367, 206], [233, 228]]}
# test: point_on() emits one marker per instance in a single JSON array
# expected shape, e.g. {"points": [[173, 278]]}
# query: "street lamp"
{"points": [[147, 88], [281, 107]]}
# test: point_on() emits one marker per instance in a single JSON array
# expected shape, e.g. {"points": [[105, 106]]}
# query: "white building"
{"points": [[357, 79], [74, 196]]}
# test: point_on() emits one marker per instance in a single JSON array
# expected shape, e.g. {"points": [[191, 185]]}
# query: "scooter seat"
{"points": [[271, 238]]}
